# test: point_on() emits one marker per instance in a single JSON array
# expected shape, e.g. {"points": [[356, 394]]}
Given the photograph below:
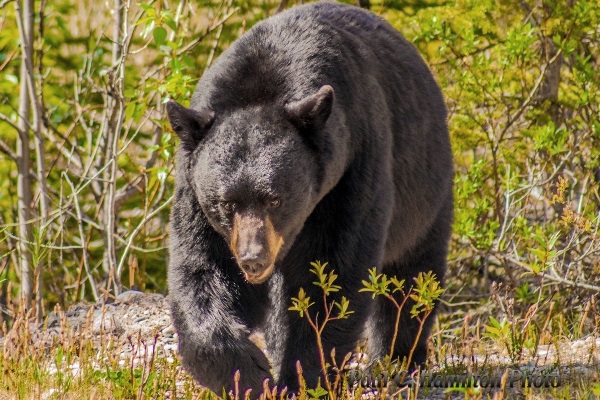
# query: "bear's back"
{"points": [[292, 54]]}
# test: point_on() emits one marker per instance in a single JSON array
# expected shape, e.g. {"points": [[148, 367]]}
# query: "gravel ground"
{"points": [[135, 324]]}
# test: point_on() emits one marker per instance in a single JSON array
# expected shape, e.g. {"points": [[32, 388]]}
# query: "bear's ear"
{"points": [[191, 125], [312, 111]]}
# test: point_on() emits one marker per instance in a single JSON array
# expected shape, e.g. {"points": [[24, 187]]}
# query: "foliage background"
{"points": [[521, 82]]}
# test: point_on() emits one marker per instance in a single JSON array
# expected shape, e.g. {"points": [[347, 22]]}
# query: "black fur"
{"points": [[331, 112]]}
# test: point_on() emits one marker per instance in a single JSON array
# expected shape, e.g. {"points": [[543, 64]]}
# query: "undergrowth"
{"points": [[489, 356], [82, 364]]}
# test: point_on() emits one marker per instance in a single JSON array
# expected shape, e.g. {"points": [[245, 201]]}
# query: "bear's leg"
{"points": [[430, 255], [213, 328]]}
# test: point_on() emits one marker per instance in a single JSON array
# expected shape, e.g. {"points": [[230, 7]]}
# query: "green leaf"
{"points": [[160, 34], [130, 110], [301, 303], [130, 92], [317, 393], [342, 307], [169, 22], [149, 9]]}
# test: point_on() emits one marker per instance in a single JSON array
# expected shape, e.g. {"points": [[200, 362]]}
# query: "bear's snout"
{"points": [[255, 245], [254, 260]]}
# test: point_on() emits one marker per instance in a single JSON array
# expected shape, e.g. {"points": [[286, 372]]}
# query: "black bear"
{"points": [[320, 134]]}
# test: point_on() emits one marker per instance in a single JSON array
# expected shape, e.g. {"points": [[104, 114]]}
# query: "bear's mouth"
{"points": [[260, 277]]}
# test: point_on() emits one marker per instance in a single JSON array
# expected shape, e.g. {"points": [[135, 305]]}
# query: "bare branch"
{"points": [[4, 148], [137, 229], [216, 41], [3, 3], [133, 187], [553, 275], [281, 6], [192, 44], [82, 234], [6, 119]]}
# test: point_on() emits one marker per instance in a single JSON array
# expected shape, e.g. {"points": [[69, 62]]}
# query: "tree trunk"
{"points": [[31, 103], [24, 192]]}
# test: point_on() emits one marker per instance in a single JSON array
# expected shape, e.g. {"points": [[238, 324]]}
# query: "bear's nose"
{"points": [[252, 269], [252, 263]]}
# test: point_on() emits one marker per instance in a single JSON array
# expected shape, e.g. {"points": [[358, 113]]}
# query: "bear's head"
{"points": [[255, 171]]}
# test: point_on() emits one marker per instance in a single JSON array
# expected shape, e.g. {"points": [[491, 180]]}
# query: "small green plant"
{"points": [[302, 304], [381, 285], [424, 294], [517, 331]]}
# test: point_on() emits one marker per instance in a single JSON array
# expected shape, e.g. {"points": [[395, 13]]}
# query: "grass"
{"points": [[489, 348], [81, 364]]}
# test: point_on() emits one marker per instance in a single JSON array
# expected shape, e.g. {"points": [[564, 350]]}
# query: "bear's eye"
{"points": [[227, 206], [275, 202]]}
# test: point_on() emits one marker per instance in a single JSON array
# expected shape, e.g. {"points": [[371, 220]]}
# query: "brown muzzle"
{"points": [[255, 245]]}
